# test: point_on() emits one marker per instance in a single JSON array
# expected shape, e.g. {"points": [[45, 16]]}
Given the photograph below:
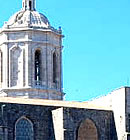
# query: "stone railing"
{"points": [[39, 84]]}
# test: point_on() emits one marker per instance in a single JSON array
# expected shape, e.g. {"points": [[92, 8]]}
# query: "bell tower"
{"points": [[30, 56]]}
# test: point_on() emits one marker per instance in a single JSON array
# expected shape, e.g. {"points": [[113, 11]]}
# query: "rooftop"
{"points": [[55, 103]]}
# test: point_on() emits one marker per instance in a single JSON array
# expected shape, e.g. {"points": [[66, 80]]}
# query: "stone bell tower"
{"points": [[30, 56]]}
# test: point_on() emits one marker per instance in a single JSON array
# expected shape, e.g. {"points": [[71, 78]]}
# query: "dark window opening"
{"points": [[30, 5], [38, 67], [128, 137], [128, 122], [54, 68]]}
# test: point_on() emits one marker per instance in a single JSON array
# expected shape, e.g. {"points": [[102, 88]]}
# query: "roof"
{"points": [[56, 103], [28, 18]]}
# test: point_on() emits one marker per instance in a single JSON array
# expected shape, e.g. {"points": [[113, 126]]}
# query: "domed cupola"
{"points": [[27, 17]]}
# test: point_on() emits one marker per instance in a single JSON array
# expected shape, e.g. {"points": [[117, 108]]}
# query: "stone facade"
{"points": [[31, 72], [119, 101], [20, 38], [57, 123]]}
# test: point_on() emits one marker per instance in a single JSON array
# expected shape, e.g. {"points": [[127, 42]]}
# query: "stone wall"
{"points": [[48, 120], [40, 116], [18, 62], [103, 121], [119, 101]]}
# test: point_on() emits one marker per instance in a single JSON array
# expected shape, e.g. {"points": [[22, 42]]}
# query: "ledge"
{"points": [[56, 103]]}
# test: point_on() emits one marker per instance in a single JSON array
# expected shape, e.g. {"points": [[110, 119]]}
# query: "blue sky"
{"points": [[96, 54]]}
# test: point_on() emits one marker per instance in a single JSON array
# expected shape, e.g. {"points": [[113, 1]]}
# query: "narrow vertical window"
{"points": [[16, 57], [38, 67], [1, 66], [54, 68], [24, 129], [30, 5]]}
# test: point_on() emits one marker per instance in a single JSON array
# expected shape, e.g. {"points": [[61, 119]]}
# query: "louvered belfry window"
{"points": [[54, 68], [37, 67]]}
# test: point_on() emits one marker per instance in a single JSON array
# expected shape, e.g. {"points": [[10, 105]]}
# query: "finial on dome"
{"points": [[28, 5]]}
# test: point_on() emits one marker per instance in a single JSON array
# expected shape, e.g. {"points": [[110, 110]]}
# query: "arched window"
{"points": [[16, 63], [87, 131], [24, 129], [38, 67], [54, 68]]}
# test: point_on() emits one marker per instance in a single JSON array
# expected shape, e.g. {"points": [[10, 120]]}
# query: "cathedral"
{"points": [[31, 90]]}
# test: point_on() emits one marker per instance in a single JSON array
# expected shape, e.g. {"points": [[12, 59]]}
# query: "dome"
{"points": [[25, 18]]}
